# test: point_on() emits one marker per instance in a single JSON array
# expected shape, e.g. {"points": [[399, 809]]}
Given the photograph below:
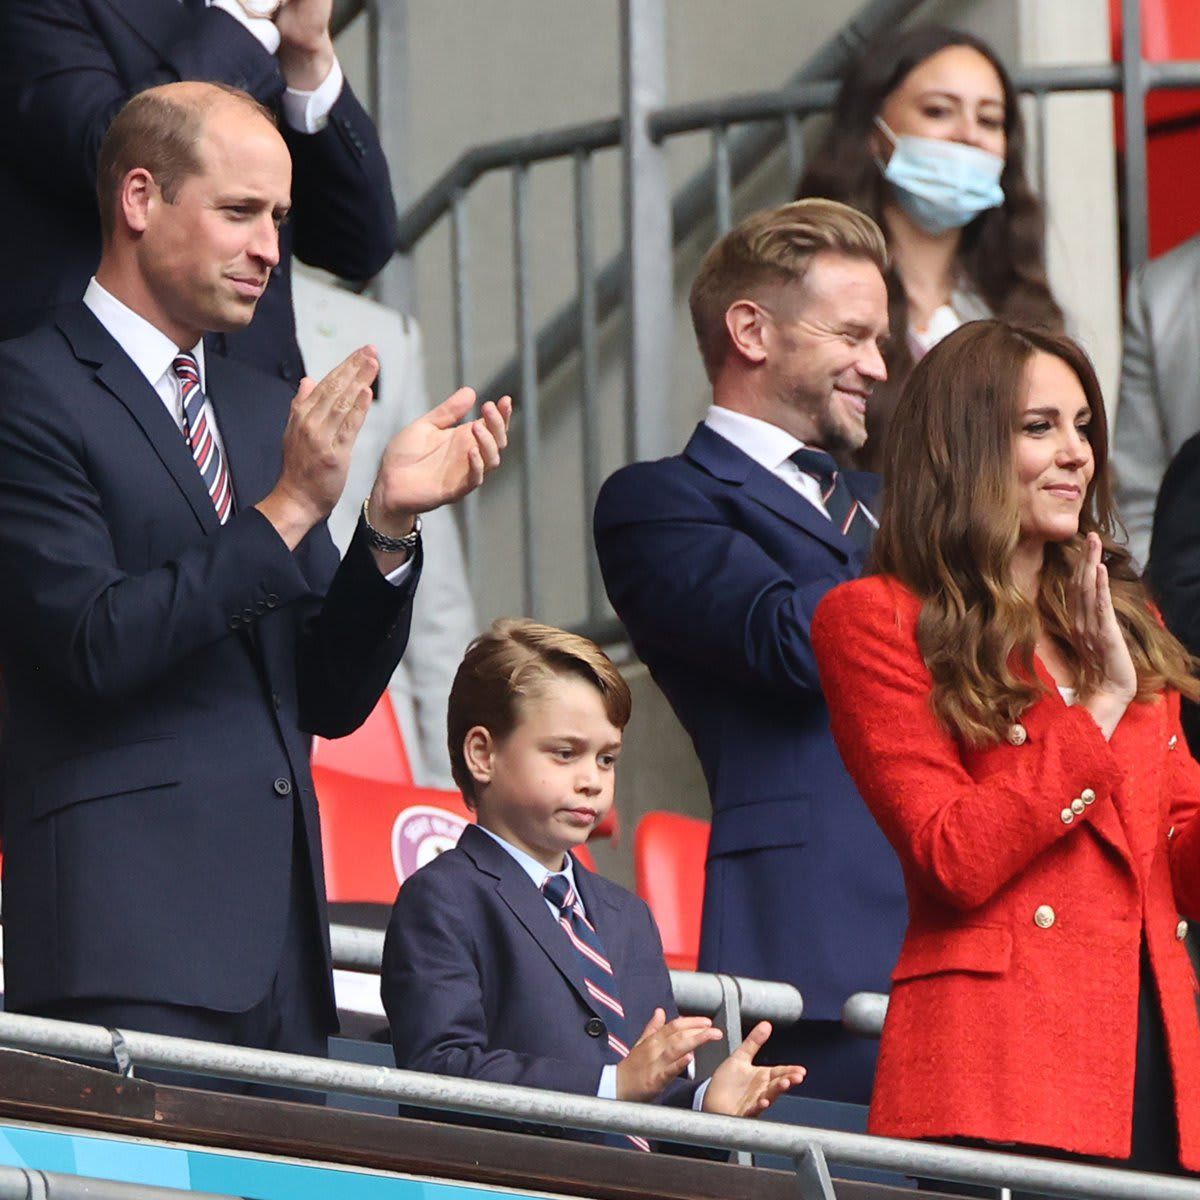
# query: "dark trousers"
{"points": [[291, 1017], [1155, 1142], [840, 1065]]}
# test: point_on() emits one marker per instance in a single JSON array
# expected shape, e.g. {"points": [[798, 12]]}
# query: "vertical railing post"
{"points": [[387, 61], [647, 208], [527, 413], [1133, 75]]}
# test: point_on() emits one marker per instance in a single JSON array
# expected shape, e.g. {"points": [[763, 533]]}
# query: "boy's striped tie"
{"points": [[198, 433], [597, 970]]}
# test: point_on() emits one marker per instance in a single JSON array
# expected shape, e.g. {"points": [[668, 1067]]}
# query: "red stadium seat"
{"points": [[668, 858], [374, 750], [375, 832]]}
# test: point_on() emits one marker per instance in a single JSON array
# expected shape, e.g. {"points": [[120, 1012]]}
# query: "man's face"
{"points": [[824, 351], [205, 258]]}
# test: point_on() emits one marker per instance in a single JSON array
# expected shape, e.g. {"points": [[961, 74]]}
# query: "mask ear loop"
{"points": [[885, 129]]}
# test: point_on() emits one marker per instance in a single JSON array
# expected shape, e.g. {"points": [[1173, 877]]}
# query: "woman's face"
{"points": [[1052, 454], [955, 96]]}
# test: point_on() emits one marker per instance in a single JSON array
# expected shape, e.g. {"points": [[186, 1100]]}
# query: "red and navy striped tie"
{"points": [[597, 970], [847, 513], [198, 433]]}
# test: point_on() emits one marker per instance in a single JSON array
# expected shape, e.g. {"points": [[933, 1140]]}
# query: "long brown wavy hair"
{"points": [[950, 526], [1002, 252]]}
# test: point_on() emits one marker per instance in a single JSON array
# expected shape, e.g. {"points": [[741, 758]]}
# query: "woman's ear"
{"points": [[479, 752]]}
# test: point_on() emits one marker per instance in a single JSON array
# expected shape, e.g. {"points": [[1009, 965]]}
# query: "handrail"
{"points": [[358, 949], [22, 1183], [802, 1143], [864, 1013]]}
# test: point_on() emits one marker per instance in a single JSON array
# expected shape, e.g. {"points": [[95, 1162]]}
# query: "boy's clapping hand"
{"points": [[739, 1088], [661, 1054]]}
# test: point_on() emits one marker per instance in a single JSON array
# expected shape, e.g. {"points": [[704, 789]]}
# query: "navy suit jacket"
{"points": [[479, 981], [67, 67], [164, 674], [716, 566]]}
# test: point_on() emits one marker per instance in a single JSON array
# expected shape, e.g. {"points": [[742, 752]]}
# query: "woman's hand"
{"points": [[1101, 639]]}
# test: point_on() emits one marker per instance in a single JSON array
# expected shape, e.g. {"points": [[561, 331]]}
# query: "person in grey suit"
{"points": [[1160, 384]]}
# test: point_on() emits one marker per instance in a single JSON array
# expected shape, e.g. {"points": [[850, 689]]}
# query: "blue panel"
{"points": [[33, 1148]]}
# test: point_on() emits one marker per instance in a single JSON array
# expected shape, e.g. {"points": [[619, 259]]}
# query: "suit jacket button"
{"points": [[1181, 930], [1172, 742], [1066, 816], [1170, 833], [1088, 796], [1017, 735], [1078, 806], [595, 1027], [283, 787], [1043, 916], [235, 622]]}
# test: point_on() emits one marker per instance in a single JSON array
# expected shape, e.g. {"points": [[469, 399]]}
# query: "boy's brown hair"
{"points": [[509, 663]]}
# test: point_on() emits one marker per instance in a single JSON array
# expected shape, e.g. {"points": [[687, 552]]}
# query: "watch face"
{"points": [[260, 8]]}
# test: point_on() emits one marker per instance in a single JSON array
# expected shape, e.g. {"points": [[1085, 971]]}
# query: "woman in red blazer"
{"points": [[1008, 704]]}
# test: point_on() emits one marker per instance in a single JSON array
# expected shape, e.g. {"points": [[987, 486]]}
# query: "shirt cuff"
{"points": [[401, 573], [698, 1098], [308, 112], [263, 28], [608, 1083]]}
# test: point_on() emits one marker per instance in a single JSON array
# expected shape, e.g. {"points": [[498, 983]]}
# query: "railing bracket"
{"points": [[812, 1175]]}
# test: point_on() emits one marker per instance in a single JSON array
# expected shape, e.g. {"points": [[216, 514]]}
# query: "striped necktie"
{"points": [[198, 433], [597, 972], [844, 510]]}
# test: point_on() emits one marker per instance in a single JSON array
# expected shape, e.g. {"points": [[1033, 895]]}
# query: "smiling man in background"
{"points": [[715, 561]]}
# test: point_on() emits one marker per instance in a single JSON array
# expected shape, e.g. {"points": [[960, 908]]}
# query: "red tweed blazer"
{"points": [[1034, 868]]}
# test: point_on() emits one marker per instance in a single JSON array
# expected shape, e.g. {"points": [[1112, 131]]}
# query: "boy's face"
{"points": [[547, 785]]}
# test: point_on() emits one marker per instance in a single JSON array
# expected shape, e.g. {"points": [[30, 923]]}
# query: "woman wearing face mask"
{"points": [[1008, 704], [926, 136]]}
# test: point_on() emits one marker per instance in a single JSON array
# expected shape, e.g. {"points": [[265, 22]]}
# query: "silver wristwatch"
{"points": [[390, 545]]}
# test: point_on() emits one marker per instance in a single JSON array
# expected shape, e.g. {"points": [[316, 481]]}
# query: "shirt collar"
{"points": [[150, 349], [530, 865], [767, 444]]}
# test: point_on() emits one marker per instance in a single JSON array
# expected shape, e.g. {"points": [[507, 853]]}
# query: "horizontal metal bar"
{"points": [[732, 110], [583, 1112], [535, 147], [357, 949], [863, 1013], [27, 1183], [1177, 74]]}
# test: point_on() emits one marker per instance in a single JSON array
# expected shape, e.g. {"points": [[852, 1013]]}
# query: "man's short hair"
{"points": [[510, 663], [768, 249], [159, 130]]}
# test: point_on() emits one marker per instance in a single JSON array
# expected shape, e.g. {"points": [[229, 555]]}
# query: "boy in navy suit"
{"points": [[505, 959]]}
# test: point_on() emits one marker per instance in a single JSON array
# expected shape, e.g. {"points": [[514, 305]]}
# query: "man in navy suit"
{"points": [[491, 973], [174, 621], [67, 67], [716, 559]]}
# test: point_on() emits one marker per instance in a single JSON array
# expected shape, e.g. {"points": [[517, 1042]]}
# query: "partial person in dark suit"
{"points": [[67, 67], [716, 559], [508, 961], [174, 622]]}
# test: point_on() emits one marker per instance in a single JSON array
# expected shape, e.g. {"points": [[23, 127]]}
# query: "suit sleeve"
{"points": [[1174, 569], [433, 995], [1140, 439], [963, 840], [67, 88], [103, 633], [685, 581]]}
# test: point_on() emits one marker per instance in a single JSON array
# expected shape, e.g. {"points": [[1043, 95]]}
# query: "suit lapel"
{"points": [[723, 460], [115, 372], [158, 23], [605, 915], [526, 903], [250, 451]]}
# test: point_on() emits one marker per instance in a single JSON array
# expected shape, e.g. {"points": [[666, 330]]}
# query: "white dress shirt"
{"points": [[771, 447], [538, 874], [306, 112], [153, 353]]}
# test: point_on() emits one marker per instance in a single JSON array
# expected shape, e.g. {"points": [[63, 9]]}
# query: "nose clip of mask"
{"points": [[941, 185]]}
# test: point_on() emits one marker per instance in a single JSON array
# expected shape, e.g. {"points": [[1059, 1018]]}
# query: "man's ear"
{"points": [[137, 198], [748, 326], [479, 753]]}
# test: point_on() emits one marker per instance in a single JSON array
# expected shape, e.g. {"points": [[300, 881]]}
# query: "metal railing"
{"points": [[23, 1183], [810, 1149], [744, 131]]}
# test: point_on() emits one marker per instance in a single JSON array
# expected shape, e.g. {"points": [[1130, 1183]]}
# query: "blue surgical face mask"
{"points": [[941, 185]]}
